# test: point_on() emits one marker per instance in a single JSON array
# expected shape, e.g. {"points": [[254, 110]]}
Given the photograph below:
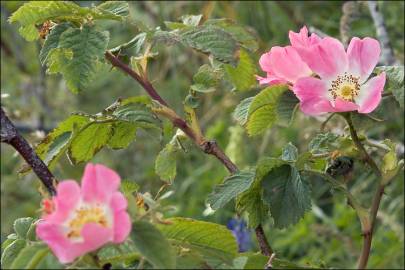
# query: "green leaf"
{"points": [[232, 187], [52, 41], [152, 244], [290, 153], [263, 109], [245, 37], [128, 187], [287, 195], [321, 142], [11, 252], [265, 165], [286, 107], [250, 202], [30, 256], [243, 75], [212, 40], [206, 79], [37, 12], [165, 164], [123, 134], [259, 261], [87, 46], [88, 141], [242, 111], [117, 8], [22, 225], [395, 81], [215, 242], [118, 255], [137, 113], [52, 147]]}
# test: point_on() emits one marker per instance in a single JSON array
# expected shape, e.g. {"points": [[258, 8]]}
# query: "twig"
{"points": [[360, 146], [323, 125], [10, 135], [387, 54], [207, 146], [367, 235]]}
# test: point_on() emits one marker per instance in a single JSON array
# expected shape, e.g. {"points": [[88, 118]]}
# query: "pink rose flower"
{"points": [[84, 219], [283, 65], [343, 83]]}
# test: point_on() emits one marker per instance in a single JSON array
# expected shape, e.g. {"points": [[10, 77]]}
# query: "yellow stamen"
{"points": [[84, 215], [345, 87]]}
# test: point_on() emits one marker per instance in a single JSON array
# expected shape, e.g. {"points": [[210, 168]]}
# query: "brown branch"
{"points": [[10, 135], [209, 147], [367, 235]]}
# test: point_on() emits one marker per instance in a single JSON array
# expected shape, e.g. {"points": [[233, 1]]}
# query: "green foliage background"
{"points": [[329, 233]]}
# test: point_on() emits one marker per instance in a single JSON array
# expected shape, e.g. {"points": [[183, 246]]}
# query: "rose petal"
{"points": [[363, 55], [52, 235], [68, 195], [327, 58], [99, 183], [370, 94], [122, 226], [287, 64]]}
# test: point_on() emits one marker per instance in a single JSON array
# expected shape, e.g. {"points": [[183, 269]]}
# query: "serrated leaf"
{"points": [[232, 187], [243, 75], [251, 202], [165, 164], [395, 81], [88, 141], [289, 153], [117, 8], [265, 165], [11, 252], [241, 112], [287, 195], [212, 40], [152, 244], [37, 12], [30, 256], [52, 147], [22, 225], [258, 261], [129, 187], [137, 113], [245, 37], [286, 107], [263, 109], [215, 242], [206, 79], [52, 41], [87, 46], [121, 253], [123, 134], [321, 142]]}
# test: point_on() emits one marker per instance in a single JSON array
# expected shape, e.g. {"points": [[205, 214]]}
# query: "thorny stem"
{"points": [[368, 234], [209, 147], [11, 136]]}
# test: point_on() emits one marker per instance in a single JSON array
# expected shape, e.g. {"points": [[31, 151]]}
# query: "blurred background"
{"points": [[329, 234]]}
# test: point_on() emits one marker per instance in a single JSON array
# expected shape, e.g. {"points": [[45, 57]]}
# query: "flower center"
{"points": [[346, 87], [83, 215]]}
